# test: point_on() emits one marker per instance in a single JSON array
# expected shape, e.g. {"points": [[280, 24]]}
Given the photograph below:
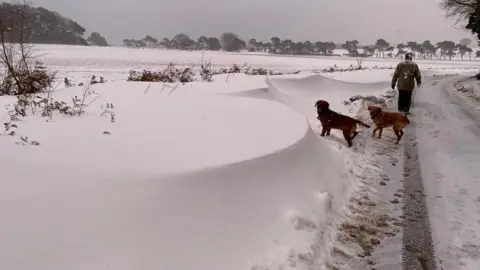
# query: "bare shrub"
{"points": [[87, 98], [49, 105], [359, 61], [206, 70], [67, 82], [108, 110], [232, 70], [170, 74], [24, 82], [23, 75], [263, 71], [8, 129], [477, 76], [19, 109], [257, 71], [26, 141], [94, 80], [335, 68], [145, 76], [77, 107], [235, 69]]}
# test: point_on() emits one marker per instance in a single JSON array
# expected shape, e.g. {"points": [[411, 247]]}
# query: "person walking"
{"points": [[404, 77]]}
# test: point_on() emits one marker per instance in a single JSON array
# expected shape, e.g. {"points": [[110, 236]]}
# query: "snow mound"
{"points": [[302, 93], [170, 133], [184, 181]]}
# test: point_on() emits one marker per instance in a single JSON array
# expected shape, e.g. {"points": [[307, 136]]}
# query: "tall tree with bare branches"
{"points": [[464, 11], [459, 9], [16, 56]]}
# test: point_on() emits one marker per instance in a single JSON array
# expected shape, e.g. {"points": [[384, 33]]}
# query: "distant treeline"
{"points": [[232, 43], [40, 25]]}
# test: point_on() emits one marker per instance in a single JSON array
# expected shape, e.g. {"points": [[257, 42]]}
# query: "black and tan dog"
{"points": [[333, 120]]}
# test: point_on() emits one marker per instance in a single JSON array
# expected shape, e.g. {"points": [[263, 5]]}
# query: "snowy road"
{"points": [[442, 150]]}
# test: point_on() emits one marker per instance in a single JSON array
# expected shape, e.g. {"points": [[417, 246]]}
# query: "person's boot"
{"points": [[407, 110]]}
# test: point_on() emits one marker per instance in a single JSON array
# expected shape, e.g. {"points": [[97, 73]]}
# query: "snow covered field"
{"points": [[116, 62], [228, 174]]}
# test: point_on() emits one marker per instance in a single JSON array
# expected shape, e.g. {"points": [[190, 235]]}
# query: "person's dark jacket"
{"points": [[405, 75]]}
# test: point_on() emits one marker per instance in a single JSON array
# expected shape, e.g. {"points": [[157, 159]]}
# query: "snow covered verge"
{"points": [[143, 176], [468, 90]]}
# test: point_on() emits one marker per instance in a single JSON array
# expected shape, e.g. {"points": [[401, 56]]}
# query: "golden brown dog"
{"points": [[384, 119], [332, 120]]}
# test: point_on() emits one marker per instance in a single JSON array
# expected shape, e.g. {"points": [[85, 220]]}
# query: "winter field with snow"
{"points": [[232, 174]]}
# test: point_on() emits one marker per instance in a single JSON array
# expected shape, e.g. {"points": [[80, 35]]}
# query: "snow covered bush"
{"points": [[262, 71], [257, 71], [477, 76], [206, 71], [48, 105], [232, 70], [67, 82], [23, 81], [8, 129], [170, 74], [95, 81], [22, 74], [26, 141], [335, 68], [108, 110]]}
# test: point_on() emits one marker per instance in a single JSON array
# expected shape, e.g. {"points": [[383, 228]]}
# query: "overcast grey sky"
{"points": [[315, 20]]}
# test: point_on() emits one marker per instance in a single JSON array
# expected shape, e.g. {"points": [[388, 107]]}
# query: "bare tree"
{"points": [[459, 9], [10, 26], [16, 53]]}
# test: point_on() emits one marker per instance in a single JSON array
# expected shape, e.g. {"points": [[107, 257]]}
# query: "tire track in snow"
{"points": [[417, 251]]}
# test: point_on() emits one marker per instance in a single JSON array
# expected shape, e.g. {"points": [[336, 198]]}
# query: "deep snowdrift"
{"points": [[221, 180], [302, 93]]}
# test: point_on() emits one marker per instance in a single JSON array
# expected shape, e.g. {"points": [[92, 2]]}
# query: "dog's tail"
{"points": [[361, 123]]}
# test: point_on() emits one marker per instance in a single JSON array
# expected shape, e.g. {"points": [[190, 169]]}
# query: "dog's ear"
{"points": [[317, 103]]}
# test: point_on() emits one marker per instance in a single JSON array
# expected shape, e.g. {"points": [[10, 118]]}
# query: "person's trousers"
{"points": [[404, 100]]}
